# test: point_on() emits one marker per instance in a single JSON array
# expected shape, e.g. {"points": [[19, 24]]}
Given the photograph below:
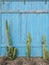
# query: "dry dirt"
{"points": [[24, 61]]}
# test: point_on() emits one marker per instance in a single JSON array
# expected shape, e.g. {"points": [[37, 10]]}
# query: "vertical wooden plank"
{"points": [[19, 27], [0, 27], [0, 32], [0, 22], [47, 31]]}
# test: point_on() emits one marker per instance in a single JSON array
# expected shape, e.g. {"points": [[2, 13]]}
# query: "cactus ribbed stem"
{"points": [[11, 51], [44, 47], [28, 46]]}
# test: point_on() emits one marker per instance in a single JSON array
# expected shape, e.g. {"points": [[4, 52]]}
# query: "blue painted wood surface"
{"points": [[21, 24]]}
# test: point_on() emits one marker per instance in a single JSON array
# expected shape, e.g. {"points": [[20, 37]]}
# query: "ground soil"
{"points": [[24, 61]]}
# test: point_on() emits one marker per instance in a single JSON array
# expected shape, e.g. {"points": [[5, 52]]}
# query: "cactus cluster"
{"points": [[11, 51]]}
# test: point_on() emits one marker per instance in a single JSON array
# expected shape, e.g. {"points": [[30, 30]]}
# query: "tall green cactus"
{"points": [[28, 46], [44, 47], [11, 51], [8, 35]]}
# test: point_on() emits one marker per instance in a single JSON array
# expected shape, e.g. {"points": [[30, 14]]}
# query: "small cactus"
{"points": [[28, 46], [44, 47]]}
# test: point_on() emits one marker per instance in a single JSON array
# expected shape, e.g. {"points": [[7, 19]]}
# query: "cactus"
{"points": [[11, 51], [28, 46], [44, 47], [8, 35]]}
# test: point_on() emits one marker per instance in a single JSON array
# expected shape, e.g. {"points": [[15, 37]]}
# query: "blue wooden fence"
{"points": [[21, 24]]}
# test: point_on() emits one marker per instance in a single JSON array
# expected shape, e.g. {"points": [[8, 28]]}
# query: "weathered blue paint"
{"points": [[21, 24]]}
